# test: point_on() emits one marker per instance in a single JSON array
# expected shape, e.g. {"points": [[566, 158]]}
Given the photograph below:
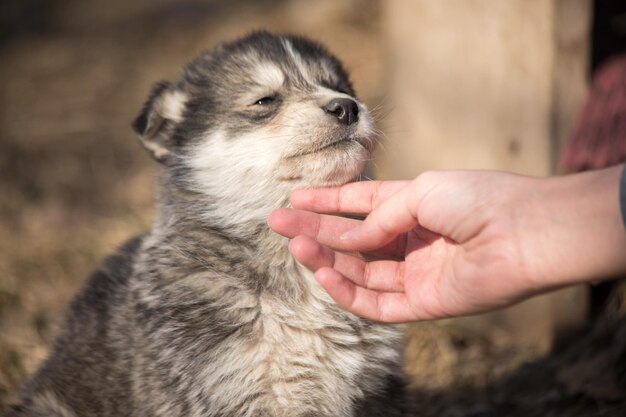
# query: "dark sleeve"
{"points": [[622, 194]]}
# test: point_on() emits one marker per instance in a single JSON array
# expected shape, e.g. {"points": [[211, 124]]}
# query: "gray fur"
{"points": [[208, 314]]}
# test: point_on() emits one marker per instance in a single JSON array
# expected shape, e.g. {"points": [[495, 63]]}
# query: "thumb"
{"points": [[396, 215]]}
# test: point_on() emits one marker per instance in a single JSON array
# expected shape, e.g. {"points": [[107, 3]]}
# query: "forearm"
{"points": [[578, 233]]}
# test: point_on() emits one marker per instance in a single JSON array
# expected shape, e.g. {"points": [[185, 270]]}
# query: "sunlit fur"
{"points": [[208, 314]]}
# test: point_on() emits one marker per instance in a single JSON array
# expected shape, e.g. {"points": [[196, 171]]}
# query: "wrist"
{"points": [[579, 234]]}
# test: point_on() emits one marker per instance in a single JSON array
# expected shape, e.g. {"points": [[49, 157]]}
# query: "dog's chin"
{"points": [[335, 164]]}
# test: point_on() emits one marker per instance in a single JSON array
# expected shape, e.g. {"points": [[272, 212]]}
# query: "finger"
{"points": [[375, 305], [323, 228], [352, 198], [326, 229], [395, 216], [377, 275], [311, 254]]}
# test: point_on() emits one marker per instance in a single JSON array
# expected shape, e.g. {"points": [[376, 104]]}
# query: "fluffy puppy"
{"points": [[208, 314]]}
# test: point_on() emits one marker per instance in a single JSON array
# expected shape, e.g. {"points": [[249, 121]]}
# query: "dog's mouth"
{"points": [[334, 143], [332, 161]]}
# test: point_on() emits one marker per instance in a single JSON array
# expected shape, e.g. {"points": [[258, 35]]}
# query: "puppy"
{"points": [[208, 314]]}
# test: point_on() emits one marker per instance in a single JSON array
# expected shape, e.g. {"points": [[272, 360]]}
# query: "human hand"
{"points": [[450, 243]]}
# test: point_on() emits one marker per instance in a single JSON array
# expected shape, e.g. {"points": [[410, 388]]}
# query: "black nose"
{"points": [[344, 109]]}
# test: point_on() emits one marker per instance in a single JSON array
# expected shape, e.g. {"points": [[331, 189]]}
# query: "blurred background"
{"points": [[523, 85]]}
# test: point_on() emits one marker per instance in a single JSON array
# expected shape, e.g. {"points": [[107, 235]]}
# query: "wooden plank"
{"points": [[487, 84]]}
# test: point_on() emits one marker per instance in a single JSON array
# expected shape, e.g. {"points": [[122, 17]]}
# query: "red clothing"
{"points": [[599, 137]]}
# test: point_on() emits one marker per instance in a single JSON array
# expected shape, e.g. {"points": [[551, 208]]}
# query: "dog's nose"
{"points": [[344, 109]]}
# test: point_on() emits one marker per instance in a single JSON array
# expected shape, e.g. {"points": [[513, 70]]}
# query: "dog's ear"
{"points": [[161, 112]]}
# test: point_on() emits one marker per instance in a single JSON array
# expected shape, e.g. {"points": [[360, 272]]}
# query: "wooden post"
{"points": [[487, 84]]}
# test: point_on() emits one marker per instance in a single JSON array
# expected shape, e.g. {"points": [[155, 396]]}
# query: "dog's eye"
{"points": [[265, 100]]}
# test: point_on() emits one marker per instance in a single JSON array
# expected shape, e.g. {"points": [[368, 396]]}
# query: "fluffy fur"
{"points": [[208, 314]]}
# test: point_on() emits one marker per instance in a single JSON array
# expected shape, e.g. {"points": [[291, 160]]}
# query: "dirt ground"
{"points": [[74, 184]]}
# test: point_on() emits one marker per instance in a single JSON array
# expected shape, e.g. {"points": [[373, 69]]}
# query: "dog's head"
{"points": [[262, 115]]}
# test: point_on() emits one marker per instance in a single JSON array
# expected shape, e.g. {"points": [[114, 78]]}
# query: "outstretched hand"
{"points": [[445, 244]]}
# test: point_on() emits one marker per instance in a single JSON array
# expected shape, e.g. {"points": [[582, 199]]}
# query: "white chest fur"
{"points": [[299, 359]]}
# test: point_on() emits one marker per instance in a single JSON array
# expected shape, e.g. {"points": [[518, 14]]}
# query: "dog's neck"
{"points": [[232, 223], [260, 262], [237, 209]]}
